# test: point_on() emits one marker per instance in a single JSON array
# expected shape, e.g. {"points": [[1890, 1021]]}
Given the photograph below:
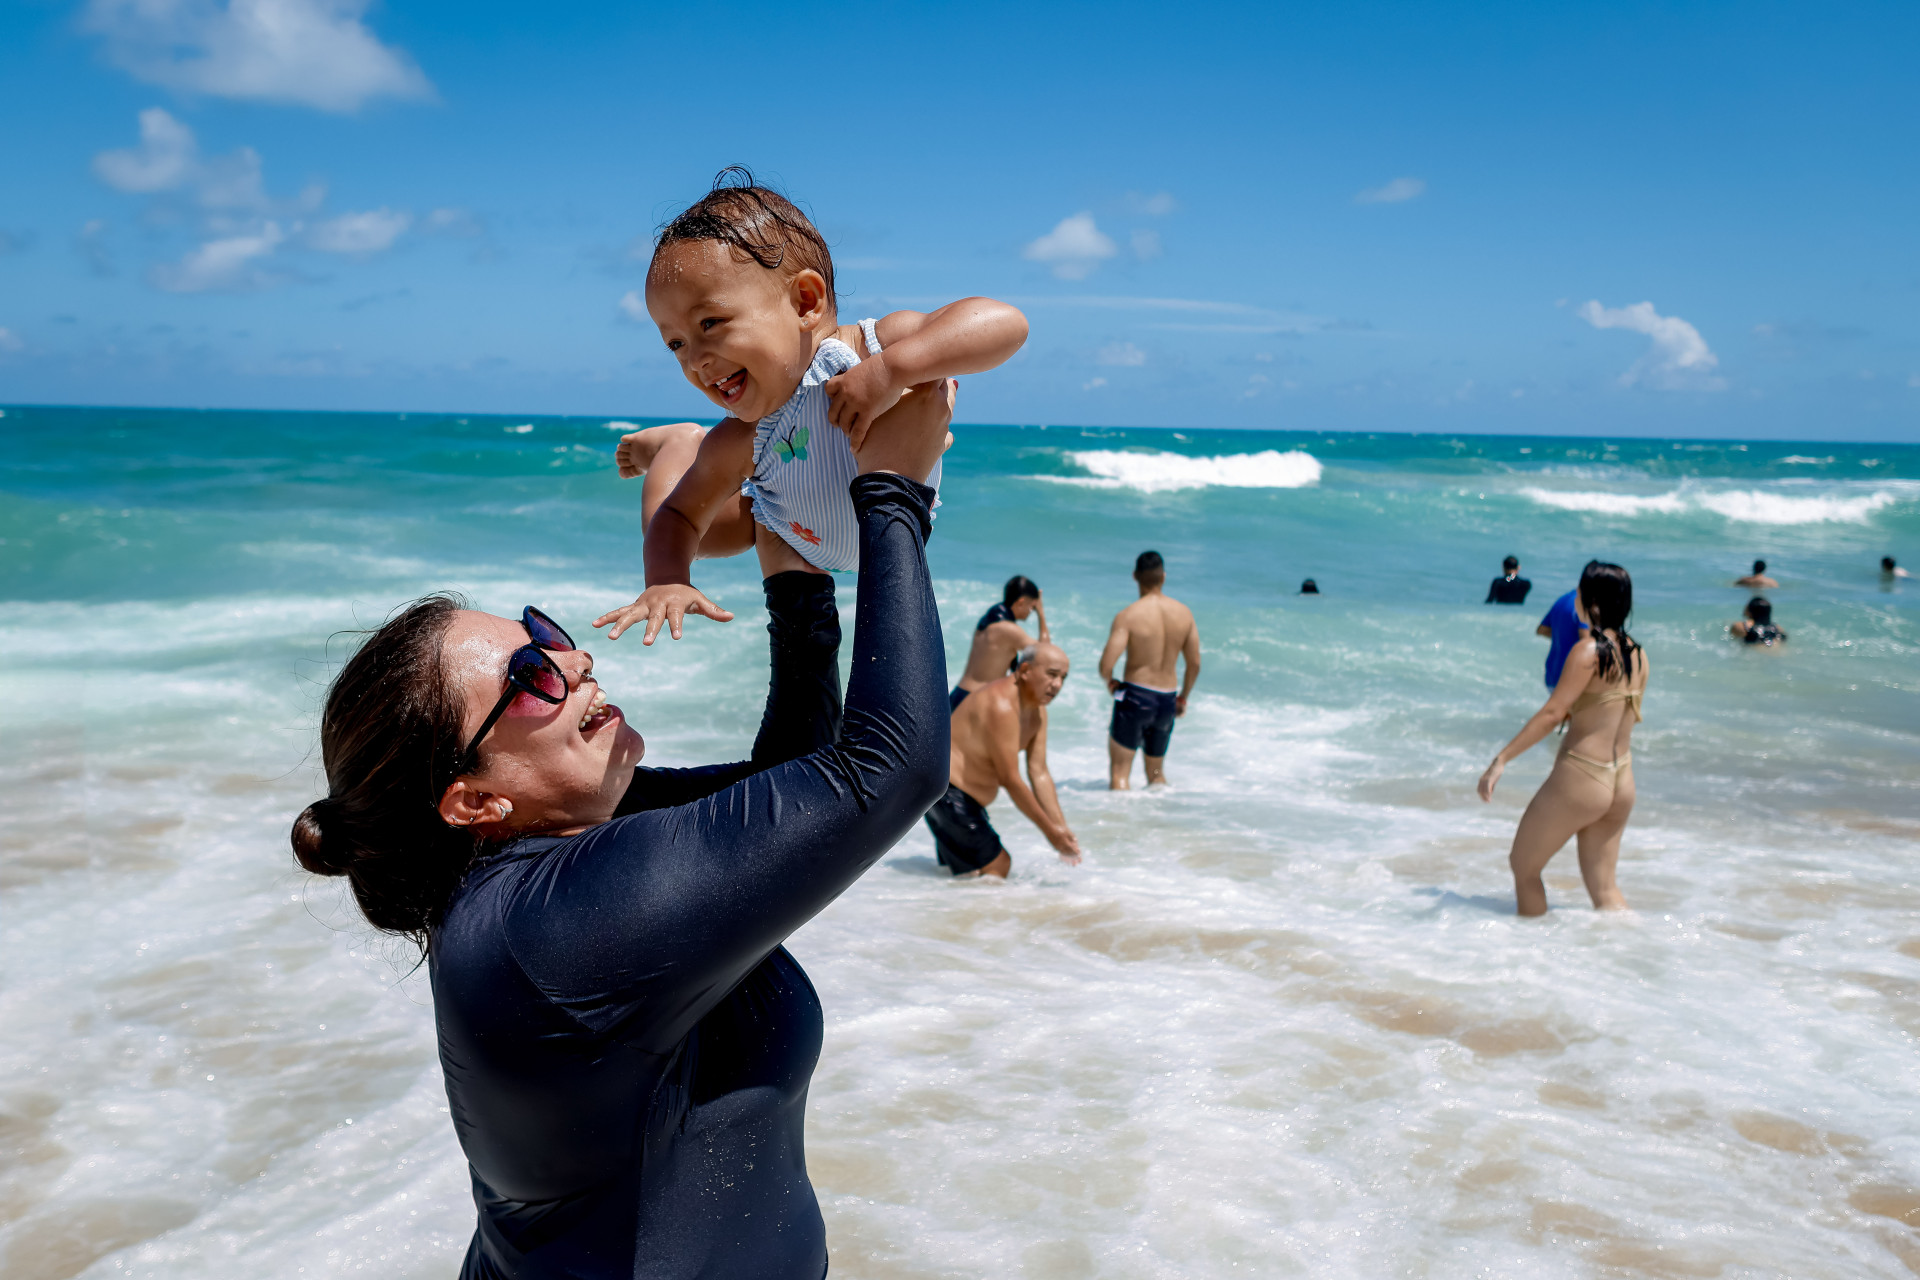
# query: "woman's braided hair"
{"points": [[1606, 591]]}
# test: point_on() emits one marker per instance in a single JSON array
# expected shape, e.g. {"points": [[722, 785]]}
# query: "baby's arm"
{"points": [[968, 336], [673, 536]]}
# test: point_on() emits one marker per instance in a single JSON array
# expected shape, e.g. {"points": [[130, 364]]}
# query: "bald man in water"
{"points": [[997, 722], [1154, 632]]}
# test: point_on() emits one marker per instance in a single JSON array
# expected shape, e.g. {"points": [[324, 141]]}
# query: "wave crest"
{"points": [[1160, 472], [1749, 506]]}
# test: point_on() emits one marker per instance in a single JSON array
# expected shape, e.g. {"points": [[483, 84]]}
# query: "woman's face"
{"points": [[557, 768]]}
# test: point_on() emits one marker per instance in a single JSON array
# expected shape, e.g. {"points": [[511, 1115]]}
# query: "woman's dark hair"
{"points": [[1886, 562], [756, 221], [1607, 594], [1759, 566], [1018, 588], [391, 728], [1760, 609]]}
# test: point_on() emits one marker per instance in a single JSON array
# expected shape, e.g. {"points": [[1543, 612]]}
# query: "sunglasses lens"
{"points": [[534, 671], [545, 631]]}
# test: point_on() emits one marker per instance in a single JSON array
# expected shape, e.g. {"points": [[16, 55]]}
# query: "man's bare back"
{"points": [[1153, 633], [991, 730], [999, 637]]}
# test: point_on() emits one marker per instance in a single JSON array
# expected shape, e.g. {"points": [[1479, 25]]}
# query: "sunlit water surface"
{"points": [[1281, 1022]]}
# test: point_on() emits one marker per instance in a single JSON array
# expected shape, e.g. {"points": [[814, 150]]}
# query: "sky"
{"points": [[1583, 218]]}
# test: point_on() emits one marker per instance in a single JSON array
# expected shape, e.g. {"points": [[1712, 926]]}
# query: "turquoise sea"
{"points": [[1282, 1021]]}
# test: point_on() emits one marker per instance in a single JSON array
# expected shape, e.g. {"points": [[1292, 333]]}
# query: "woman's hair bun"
{"points": [[310, 843]]}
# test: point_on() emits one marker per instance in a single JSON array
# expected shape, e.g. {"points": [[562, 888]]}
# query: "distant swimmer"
{"points": [[1153, 632], [1758, 579], [1589, 794], [1008, 716], [1891, 572], [999, 636], [1309, 588], [1756, 626], [1564, 626], [1510, 588]]}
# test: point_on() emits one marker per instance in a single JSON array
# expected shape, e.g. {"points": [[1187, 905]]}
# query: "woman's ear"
{"points": [[464, 805], [808, 293]]}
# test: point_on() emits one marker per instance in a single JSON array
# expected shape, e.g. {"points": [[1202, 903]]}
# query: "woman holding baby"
{"points": [[626, 1043]]}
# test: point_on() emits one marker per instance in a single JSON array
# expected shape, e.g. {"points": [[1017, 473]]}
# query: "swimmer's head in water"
{"points": [[1886, 564], [391, 717], [1019, 594], [740, 286], [1042, 670], [1149, 570], [1760, 610], [1309, 588], [1759, 566], [1511, 564], [1606, 598]]}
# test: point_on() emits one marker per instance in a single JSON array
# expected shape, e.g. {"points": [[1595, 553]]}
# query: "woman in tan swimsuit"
{"points": [[1589, 794]]}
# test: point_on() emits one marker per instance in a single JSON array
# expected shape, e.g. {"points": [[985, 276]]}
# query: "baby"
{"points": [[741, 285]]}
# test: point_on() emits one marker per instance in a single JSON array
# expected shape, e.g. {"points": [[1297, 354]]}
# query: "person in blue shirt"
{"points": [[1564, 626]]}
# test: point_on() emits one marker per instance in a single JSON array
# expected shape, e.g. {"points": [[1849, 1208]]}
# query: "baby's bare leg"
{"points": [[775, 555], [662, 455]]}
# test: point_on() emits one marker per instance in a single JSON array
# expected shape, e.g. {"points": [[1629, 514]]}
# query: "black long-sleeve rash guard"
{"points": [[627, 1046]]}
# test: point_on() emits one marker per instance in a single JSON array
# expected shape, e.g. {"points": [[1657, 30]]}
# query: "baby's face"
{"points": [[743, 334]]}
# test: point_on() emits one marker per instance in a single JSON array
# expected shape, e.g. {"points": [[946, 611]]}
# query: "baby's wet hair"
{"points": [[756, 221]]}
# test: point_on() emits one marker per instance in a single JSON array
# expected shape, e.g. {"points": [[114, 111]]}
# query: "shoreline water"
{"points": [[1280, 1023]]}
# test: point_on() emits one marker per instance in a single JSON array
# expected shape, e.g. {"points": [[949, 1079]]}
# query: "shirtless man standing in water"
{"points": [[990, 730], [1152, 631], [999, 637]]}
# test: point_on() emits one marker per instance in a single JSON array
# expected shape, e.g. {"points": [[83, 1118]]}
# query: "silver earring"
{"points": [[506, 807]]}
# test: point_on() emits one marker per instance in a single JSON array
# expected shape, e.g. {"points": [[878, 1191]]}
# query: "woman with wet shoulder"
{"points": [[1589, 793], [626, 1043]]}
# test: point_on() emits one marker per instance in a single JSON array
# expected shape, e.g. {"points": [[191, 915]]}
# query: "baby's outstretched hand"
{"points": [[860, 395], [669, 603]]}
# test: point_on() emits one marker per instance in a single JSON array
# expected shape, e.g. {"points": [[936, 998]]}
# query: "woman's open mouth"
{"points": [[730, 388], [599, 713]]}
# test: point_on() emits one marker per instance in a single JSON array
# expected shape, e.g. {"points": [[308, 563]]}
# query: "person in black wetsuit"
{"points": [[626, 1043], [999, 638], [1756, 625], [1509, 587]]}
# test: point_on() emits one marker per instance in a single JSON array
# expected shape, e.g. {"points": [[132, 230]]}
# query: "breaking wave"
{"points": [[1748, 506], [1161, 472]]}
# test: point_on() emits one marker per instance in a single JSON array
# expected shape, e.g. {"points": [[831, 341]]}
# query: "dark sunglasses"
{"points": [[529, 671]]}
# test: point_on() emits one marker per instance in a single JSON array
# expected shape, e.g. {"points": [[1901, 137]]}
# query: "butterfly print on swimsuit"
{"points": [[792, 446], [804, 532]]}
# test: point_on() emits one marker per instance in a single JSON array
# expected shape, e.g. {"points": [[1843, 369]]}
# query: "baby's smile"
{"points": [[730, 388]]}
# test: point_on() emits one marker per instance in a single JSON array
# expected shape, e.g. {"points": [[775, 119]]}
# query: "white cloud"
{"points": [[165, 159], [1677, 359], [1093, 383], [634, 307], [1124, 354], [1146, 244], [168, 159], [1157, 205], [10, 341], [315, 53], [1395, 192], [1075, 247], [359, 235], [225, 265]]}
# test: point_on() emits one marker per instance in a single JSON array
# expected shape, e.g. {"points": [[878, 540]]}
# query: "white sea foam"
{"points": [[1749, 506], [617, 425], [1159, 472]]}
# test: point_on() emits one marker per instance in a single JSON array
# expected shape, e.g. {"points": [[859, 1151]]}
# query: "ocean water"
{"points": [[1282, 1022]]}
